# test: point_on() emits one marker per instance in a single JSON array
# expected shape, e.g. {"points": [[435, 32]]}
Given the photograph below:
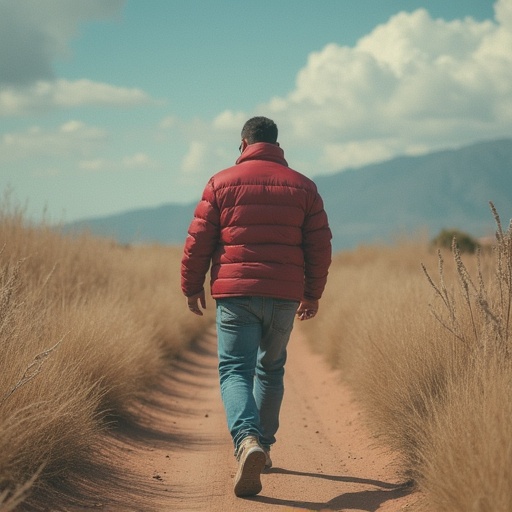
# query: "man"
{"points": [[263, 227]]}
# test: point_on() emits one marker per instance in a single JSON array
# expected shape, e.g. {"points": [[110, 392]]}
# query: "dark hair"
{"points": [[260, 129]]}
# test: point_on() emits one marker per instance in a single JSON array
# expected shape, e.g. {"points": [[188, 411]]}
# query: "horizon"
{"points": [[112, 106], [362, 168]]}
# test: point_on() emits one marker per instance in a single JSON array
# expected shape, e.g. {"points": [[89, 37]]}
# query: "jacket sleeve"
{"points": [[202, 239], [316, 240]]}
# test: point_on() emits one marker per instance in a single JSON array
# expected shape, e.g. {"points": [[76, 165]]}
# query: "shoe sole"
{"points": [[248, 477]]}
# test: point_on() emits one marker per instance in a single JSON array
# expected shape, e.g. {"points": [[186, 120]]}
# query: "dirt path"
{"points": [[323, 459]]}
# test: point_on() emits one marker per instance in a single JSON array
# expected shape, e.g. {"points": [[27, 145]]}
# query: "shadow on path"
{"points": [[368, 500]]}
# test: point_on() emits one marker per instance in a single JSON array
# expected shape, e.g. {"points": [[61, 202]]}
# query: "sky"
{"points": [[115, 105]]}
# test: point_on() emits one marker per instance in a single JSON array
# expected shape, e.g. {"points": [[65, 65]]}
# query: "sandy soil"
{"points": [[324, 458]]}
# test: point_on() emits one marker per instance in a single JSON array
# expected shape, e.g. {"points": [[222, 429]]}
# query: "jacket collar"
{"points": [[263, 151]]}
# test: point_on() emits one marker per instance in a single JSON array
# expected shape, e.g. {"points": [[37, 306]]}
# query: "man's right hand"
{"points": [[193, 303]]}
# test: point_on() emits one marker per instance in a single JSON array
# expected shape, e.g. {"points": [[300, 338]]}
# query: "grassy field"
{"points": [[428, 353], [87, 326]]}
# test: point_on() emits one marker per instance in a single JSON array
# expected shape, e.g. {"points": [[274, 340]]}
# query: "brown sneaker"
{"points": [[251, 461]]}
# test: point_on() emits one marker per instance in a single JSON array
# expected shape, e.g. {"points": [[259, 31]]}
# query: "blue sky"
{"points": [[112, 105]]}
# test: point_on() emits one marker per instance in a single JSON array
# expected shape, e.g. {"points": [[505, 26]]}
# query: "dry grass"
{"points": [[429, 356], [86, 326]]}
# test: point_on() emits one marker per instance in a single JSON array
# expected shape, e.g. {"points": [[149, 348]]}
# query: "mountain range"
{"points": [[376, 203]]}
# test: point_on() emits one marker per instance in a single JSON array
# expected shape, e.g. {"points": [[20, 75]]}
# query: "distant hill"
{"points": [[374, 203], [166, 224], [446, 189]]}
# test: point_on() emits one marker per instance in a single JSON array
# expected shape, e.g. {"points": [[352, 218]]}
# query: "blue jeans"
{"points": [[253, 333]]}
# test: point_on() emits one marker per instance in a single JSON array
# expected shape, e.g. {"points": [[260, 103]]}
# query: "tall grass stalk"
{"points": [[86, 328], [429, 359]]}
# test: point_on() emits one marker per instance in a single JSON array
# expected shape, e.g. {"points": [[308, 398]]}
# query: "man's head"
{"points": [[259, 129]]}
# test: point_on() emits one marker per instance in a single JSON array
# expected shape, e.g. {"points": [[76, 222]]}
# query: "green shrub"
{"points": [[466, 243]]}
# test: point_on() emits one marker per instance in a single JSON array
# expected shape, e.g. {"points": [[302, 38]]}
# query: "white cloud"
{"points": [[413, 85], [503, 9], [138, 161], [94, 165], [34, 32], [355, 154], [195, 159], [72, 126], [85, 92], [168, 122], [67, 94], [410, 42], [70, 139], [413, 82], [229, 121]]}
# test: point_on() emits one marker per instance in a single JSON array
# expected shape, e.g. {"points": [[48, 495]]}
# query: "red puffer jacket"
{"points": [[264, 229]]}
